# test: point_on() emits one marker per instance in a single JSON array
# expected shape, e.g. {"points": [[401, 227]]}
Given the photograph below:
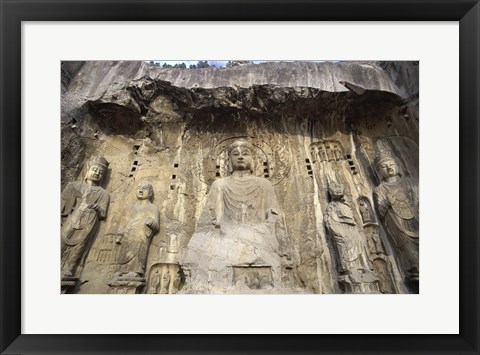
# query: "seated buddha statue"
{"points": [[241, 228]]}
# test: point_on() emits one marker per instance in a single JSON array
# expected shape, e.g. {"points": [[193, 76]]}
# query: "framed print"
{"points": [[93, 117]]}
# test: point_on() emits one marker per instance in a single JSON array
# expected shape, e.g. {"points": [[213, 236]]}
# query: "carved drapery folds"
{"points": [[141, 222], [83, 205], [355, 270]]}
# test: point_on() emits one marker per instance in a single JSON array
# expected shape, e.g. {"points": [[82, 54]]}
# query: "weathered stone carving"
{"points": [[365, 211], [165, 282], [383, 271], [126, 284], [241, 226], [337, 152], [165, 279], [354, 267], [375, 244], [155, 282], [272, 161], [376, 251], [142, 222], [396, 201], [177, 282], [253, 277], [327, 151], [83, 205], [173, 127]]}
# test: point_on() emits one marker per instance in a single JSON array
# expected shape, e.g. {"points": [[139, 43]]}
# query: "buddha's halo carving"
{"points": [[404, 150], [271, 160]]}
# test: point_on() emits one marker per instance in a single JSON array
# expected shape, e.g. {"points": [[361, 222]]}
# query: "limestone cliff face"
{"points": [[98, 78], [310, 123]]}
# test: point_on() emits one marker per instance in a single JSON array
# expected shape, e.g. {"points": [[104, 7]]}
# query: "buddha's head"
{"points": [[240, 153]]}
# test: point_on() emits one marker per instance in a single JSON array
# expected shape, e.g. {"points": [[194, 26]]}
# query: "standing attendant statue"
{"points": [[396, 200], [354, 268], [134, 241], [83, 205]]}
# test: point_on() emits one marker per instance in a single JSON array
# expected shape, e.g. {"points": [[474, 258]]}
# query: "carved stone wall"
{"points": [[307, 131]]}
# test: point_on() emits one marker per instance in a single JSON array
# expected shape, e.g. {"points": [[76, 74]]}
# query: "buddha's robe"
{"points": [[142, 223], [83, 206]]}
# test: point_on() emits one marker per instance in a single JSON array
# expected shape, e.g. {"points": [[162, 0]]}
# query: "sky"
{"points": [[217, 63]]}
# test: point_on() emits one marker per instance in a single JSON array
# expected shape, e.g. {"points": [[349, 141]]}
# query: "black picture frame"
{"points": [[13, 12]]}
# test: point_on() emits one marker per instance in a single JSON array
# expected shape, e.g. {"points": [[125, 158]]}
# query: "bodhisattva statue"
{"points": [[396, 199], [240, 226], [354, 267], [142, 222], [84, 204]]}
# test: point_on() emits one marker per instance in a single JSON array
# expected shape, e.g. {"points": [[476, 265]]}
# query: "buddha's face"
{"points": [[95, 173], [388, 168], [143, 191], [241, 158]]}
